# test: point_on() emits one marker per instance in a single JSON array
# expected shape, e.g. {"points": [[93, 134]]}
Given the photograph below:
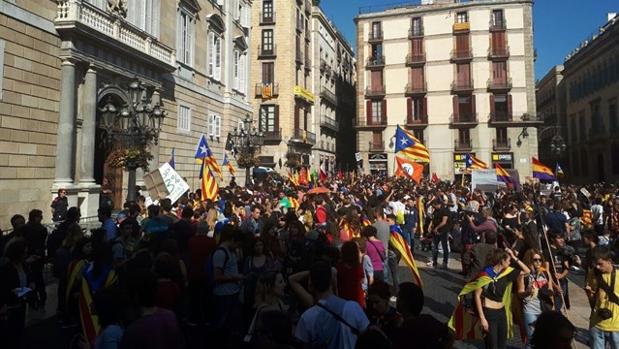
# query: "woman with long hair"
{"points": [[491, 291], [350, 274], [376, 251], [535, 290]]}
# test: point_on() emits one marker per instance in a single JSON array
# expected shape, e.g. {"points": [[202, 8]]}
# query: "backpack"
{"points": [[210, 268]]}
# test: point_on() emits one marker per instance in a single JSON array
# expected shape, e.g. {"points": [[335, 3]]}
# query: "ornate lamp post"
{"points": [[557, 145], [133, 128], [245, 142]]}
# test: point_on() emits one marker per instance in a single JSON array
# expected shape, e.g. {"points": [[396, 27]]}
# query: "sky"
{"points": [[559, 25]]}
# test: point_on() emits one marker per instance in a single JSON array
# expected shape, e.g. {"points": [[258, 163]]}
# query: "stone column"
{"points": [[89, 127], [65, 147]]}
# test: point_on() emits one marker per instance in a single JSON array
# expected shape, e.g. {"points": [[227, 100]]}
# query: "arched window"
{"points": [[144, 14], [186, 17], [214, 52]]}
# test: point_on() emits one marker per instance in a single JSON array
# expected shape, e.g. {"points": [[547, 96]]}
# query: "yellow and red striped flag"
{"points": [[294, 203], [406, 144], [293, 179], [228, 164], [208, 184], [397, 241]]}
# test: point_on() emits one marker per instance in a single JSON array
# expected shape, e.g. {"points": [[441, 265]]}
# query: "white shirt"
{"points": [[597, 211]]}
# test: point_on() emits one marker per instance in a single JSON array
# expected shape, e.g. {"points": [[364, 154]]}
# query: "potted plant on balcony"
{"points": [[130, 158]]}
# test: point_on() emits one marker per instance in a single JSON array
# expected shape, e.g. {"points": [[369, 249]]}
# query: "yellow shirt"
{"points": [[602, 301]]}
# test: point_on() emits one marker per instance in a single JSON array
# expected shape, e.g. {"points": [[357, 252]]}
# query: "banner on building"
{"points": [[165, 182]]}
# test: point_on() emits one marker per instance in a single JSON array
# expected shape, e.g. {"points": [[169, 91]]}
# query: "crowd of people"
{"points": [[273, 265]]}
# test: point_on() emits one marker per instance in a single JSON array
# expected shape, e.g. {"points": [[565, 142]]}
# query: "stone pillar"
{"points": [[89, 127], [65, 147]]}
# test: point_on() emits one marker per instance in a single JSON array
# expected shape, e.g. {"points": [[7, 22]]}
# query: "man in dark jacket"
{"points": [[35, 235], [59, 206]]}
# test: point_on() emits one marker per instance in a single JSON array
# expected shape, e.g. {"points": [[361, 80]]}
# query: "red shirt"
{"points": [[349, 283], [321, 215]]}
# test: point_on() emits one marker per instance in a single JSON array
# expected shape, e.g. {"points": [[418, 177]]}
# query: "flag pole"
{"points": [[194, 176]]}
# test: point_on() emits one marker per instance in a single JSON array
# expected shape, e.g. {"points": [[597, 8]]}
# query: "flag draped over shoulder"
{"points": [[473, 163], [89, 286], [541, 171], [465, 322], [208, 184], [398, 242], [407, 145]]}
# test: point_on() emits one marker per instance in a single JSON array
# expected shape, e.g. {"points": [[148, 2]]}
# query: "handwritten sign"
{"points": [[165, 182]]}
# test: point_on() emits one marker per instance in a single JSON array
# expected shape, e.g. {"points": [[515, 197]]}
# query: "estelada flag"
{"points": [[293, 179], [89, 286], [294, 203], [408, 168], [398, 242], [465, 322], [208, 184]]}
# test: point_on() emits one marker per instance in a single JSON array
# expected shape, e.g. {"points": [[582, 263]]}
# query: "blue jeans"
{"points": [[529, 320], [599, 339], [440, 238]]}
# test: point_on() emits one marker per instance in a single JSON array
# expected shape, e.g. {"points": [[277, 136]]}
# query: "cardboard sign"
{"points": [[165, 182], [358, 157]]}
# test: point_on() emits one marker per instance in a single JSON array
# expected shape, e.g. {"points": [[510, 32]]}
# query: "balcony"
{"points": [[462, 27], [461, 55], [499, 119], [268, 52], [376, 146], [458, 87], [273, 136], [328, 96], [415, 89], [463, 145], [329, 123], [375, 92], [78, 16], [503, 85], [415, 33], [267, 18], [303, 136], [497, 25], [267, 91], [464, 120], [375, 62], [379, 122], [498, 53], [375, 36], [501, 144], [415, 59], [417, 121]]}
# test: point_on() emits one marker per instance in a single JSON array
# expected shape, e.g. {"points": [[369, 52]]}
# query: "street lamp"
{"points": [[557, 145], [245, 142], [134, 127]]}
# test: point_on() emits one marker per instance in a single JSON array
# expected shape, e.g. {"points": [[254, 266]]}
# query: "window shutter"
{"points": [[211, 54], [409, 111], [509, 107], [456, 109], [277, 118], [189, 47], [218, 58], [179, 35], [154, 19], [368, 112], [424, 109], [218, 126], [473, 107], [384, 111], [492, 104]]}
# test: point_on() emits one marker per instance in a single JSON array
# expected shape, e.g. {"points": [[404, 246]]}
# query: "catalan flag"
{"points": [[503, 176], [172, 161], [294, 203], [208, 184], [293, 179], [228, 164], [464, 322], [406, 144], [541, 171], [473, 163], [559, 171], [90, 285], [398, 242], [204, 154]]}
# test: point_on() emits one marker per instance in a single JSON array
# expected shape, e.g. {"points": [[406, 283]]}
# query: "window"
{"points": [[499, 72], [214, 56], [268, 118], [464, 137], [214, 125], [243, 73], [501, 135], [267, 10], [462, 17], [500, 107], [416, 26], [597, 125], [465, 108], [377, 31], [144, 14], [574, 133], [267, 40], [417, 106], [418, 133], [497, 18], [183, 122], [377, 112], [582, 127], [268, 73], [236, 69], [184, 36]]}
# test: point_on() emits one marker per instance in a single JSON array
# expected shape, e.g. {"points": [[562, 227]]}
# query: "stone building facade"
{"points": [[63, 60], [550, 97], [459, 75], [591, 84], [286, 73]]}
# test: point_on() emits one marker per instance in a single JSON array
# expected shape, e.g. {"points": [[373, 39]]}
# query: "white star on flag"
{"points": [[404, 141], [203, 149]]}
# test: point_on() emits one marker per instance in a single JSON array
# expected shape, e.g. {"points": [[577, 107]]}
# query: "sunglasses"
{"points": [[537, 259]]}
